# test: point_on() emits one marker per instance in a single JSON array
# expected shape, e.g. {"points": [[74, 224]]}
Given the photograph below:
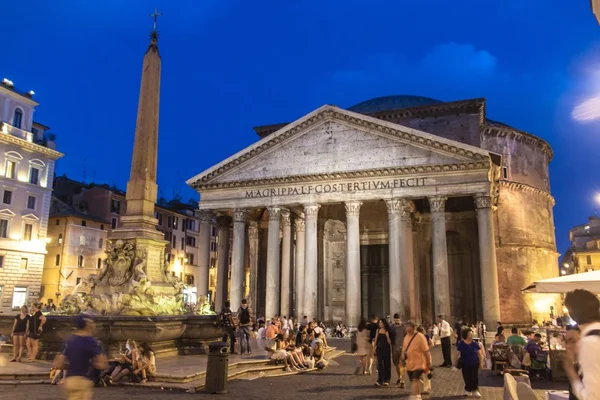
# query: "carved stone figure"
{"points": [[123, 288], [120, 257]]}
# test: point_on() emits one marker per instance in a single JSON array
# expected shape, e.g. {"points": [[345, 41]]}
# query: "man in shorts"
{"points": [[415, 350], [397, 336]]}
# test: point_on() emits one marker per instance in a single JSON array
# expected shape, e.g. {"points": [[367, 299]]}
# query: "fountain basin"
{"points": [[167, 335]]}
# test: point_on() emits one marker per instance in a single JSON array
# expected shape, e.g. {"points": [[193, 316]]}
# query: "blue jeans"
{"points": [[245, 339]]}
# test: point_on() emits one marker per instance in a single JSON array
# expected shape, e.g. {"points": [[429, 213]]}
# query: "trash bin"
{"points": [[217, 368]]}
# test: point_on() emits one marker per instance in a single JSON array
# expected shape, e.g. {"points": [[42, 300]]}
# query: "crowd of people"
{"points": [[406, 345], [298, 346], [400, 346]]}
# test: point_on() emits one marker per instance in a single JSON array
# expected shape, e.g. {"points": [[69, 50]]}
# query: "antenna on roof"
{"points": [[83, 172]]}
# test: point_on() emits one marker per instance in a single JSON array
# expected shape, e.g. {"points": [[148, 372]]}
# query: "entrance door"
{"points": [[374, 265]]}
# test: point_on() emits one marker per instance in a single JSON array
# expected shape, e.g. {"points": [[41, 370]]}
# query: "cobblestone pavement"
{"points": [[336, 382]]}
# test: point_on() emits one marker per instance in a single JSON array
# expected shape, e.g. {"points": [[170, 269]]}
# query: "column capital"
{"points": [[437, 203], [274, 213], [253, 230], [299, 224], [239, 214], [205, 216], [483, 200], [224, 222], [399, 206], [353, 208], [285, 217], [311, 210]]}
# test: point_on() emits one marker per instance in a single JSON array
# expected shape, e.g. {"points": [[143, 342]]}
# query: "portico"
{"points": [[353, 214]]}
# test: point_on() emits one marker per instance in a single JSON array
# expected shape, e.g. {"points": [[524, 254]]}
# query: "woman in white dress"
{"points": [[364, 348]]}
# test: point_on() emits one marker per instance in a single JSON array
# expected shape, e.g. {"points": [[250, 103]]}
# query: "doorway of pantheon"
{"points": [[374, 268]]}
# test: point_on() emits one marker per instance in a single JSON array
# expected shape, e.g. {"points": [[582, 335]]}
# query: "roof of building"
{"points": [[59, 208], [395, 102], [377, 106], [398, 102], [25, 94]]}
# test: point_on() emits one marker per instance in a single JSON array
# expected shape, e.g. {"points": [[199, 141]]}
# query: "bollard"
{"points": [[217, 368]]}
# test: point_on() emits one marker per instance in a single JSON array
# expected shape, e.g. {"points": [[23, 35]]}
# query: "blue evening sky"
{"points": [[229, 65]]}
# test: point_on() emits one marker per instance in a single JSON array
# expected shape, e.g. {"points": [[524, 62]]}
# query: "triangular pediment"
{"points": [[334, 141], [31, 217], [7, 213]]}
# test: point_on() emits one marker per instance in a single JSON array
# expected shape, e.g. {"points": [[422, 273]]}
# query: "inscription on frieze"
{"points": [[341, 187]]}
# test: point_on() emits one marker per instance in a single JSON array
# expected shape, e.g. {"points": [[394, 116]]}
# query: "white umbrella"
{"points": [[564, 284]]}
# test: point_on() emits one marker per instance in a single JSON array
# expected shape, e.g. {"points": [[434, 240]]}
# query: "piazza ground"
{"points": [[337, 382]]}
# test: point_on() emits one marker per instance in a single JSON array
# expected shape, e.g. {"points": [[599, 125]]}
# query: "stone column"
{"points": [[299, 267], [487, 260], [311, 212], [394, 209], [253, 260], [352, 264], [286, 258], [273, 259], [222, 262], [441, 285], [203, 253], [402, 270], [237, 257], [407, 261]]}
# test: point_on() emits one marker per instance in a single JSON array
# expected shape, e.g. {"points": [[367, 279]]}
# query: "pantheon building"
{"points": [[398, 204]]}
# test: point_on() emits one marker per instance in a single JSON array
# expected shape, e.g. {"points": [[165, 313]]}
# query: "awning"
{"points": [[564, 284]]}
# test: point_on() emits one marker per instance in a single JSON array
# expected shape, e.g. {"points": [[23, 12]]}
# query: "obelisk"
{"points": [[138, 223]]}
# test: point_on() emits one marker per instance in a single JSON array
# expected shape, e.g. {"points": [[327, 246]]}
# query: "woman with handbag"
{"points": [[415, 352], [470, 356]]}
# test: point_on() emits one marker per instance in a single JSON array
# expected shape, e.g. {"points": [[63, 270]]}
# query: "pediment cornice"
{"points": [[368, 173], [463, 153]]}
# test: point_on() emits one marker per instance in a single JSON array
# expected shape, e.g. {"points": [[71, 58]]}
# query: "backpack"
{"points": [[220, 319], [244, 315]]}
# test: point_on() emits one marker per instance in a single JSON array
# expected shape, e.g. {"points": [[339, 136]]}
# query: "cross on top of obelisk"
{"points": [[155, 16], [154, 33]]}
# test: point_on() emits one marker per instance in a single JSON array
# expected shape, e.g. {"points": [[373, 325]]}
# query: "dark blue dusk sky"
{"points": [[229, 65]]}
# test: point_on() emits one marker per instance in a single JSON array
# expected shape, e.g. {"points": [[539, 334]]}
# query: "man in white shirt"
{"points": [[445, 333], [584, 308]]}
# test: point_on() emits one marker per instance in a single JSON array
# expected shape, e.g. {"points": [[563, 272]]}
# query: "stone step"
{"points": [[25, 382], [244, 370], [237, 370]]}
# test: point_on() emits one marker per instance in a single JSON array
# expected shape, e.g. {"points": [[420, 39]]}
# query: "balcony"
{"points": [[47, 141]]}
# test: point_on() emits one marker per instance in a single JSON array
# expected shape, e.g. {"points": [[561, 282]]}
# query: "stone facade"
{"points": [[27, 158], [76, 250], [416, 210]]}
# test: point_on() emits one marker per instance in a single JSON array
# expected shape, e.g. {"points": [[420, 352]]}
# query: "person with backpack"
{"points": [[244, 322], [584, 308], [228, 326]]}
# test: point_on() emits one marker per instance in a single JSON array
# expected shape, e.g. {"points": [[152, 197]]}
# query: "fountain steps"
{"points": [[248, 370]]}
